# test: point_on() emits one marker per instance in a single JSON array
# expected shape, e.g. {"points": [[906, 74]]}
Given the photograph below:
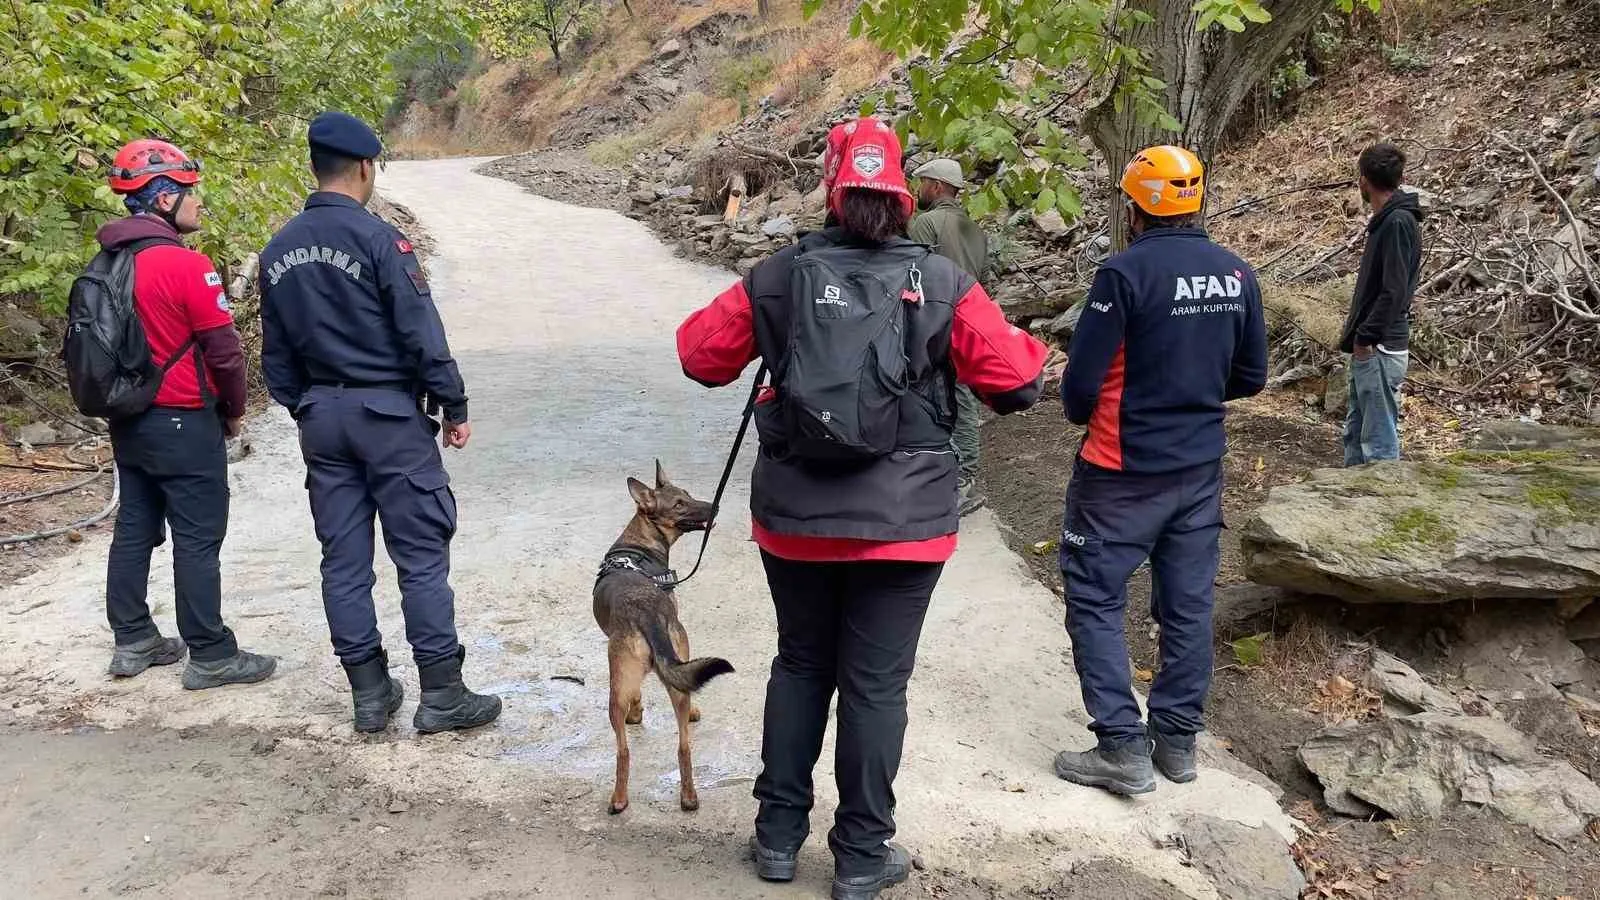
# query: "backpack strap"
{"points": [[155, 240], [184, 349]]}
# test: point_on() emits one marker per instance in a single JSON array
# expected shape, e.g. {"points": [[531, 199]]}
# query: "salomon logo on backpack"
{"points": [[841, 382], [107, 356]]}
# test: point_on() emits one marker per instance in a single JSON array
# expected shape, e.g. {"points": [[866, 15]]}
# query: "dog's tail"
{"points": [[675, 673]]}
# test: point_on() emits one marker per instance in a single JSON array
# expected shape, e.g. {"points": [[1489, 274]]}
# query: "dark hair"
{"points": [[1151, 223], [875, 216], [326, 165], [1383, 165]]}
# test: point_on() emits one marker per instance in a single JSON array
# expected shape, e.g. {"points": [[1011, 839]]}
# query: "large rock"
{"points": [[1517, 436], [1421, 766], [1244, 863], [1404, 691], [1336, 392], [1431, 532], [1062, 326]]}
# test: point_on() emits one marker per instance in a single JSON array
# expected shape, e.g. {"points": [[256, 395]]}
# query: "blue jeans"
{"points": [[1113, 521], [1372, 426]]}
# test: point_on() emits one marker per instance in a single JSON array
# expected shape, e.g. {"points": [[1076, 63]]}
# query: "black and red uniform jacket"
{"points": [[899, 507], [179, 296], [1172, 331]]}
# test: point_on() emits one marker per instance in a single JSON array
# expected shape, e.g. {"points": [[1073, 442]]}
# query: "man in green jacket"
{"points": [[945, 226]]}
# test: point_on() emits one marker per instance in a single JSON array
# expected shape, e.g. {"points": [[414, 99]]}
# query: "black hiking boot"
{"points": [[240, 668], [896, 868], [1124, 769], [375, 693], [772, 865], [1172, 758], [128, 660], [446, 703]]}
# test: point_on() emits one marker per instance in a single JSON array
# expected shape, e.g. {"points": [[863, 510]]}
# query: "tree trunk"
{"points": [[555, 50], [764, 8], [1207, 74], [628, 7]]}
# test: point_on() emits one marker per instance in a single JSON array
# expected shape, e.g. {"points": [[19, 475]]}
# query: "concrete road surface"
{"points": [[562, 319]]}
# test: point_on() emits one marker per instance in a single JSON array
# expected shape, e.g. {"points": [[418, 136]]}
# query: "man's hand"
{"points": [[456, 434], [1364, 352], [232, 427]]}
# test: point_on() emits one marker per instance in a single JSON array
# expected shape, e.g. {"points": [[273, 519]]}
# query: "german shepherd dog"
{"points": [[635, 607]]}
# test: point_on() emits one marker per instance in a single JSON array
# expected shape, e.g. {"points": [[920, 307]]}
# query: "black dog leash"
{"points": [[727, 472]]}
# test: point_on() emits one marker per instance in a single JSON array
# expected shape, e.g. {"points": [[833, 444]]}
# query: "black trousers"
{"points": [[174, 472], [852, 626]]}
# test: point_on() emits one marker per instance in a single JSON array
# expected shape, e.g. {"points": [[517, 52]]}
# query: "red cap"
{"points": [[864, 154]]}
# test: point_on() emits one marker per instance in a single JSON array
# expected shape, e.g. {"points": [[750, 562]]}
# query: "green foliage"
{"points": [[231, 81], [428, 68], [517, 29], [992, 97], [738, 76], [1251, 651], [1405, 58], [1289, 78]]}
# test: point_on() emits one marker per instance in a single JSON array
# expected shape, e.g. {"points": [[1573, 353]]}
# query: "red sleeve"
{"points": [[991, 355], [717, 341], [201, 293]]}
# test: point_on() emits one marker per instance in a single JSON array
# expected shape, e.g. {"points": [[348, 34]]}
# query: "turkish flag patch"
{"points": [[403, 245]]}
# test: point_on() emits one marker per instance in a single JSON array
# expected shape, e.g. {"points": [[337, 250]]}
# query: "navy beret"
{"points": [[344, 134]]}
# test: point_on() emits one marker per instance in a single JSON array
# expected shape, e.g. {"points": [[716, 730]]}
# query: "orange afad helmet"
{"points": [[141, 160], [1165, 181]]}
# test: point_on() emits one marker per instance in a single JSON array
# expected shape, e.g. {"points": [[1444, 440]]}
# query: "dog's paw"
{"points": [[689, 804], [617, 807], [694, 713]]}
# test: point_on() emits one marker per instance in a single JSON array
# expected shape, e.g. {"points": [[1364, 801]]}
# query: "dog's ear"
{"points": [[642, 495], [661, 476]]}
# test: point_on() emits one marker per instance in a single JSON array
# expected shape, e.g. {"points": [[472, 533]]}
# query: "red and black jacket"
{"points": [[903, 505]]}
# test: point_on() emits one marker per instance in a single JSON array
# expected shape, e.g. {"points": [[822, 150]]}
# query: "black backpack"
{"points": [[107, 355], [845, 372]]}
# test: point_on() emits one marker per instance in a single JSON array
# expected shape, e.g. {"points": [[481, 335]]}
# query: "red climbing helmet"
{"points": [[141, 160]]}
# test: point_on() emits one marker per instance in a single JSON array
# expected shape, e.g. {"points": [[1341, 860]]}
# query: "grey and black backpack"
{"points": [[844, 374]]}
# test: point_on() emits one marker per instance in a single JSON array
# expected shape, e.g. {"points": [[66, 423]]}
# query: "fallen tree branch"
{"points": [[1327, 185], [1525, 353], [775, 156], [55, 491], [1323, 260], [116, 494], [1582, 260]]}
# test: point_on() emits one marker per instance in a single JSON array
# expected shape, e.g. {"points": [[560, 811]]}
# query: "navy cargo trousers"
{"points": [[1113, 522], [371, 452]]}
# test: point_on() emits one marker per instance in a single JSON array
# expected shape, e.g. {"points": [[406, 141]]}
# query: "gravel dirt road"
{"points": [[563, 319]]}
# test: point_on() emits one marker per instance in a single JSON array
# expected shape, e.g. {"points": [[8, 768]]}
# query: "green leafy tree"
{"points": [[515, 29], [234, 82], [990, 79]]}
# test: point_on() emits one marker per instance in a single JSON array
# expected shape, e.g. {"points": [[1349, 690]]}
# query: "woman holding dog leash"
{"points": [[854, 491]]}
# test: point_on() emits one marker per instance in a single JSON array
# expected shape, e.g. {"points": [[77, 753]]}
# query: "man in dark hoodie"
{"points": [[1377, 332], [171, 459]]}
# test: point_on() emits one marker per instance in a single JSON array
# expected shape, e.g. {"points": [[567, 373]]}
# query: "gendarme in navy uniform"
{"points": [[354, 348]]}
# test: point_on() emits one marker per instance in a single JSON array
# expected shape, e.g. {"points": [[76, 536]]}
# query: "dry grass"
{"points": [[694, 116]]}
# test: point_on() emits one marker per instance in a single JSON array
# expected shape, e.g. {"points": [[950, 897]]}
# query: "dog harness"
{"points": [[628, 560]]}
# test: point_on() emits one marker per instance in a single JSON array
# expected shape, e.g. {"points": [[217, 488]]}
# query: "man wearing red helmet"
{"points": [[171, 459]]}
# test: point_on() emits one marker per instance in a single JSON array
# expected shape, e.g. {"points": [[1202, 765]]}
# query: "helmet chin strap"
{"points": [[171, 218]]}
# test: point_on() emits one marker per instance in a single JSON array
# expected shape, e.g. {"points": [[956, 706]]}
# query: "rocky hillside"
{"points": [[1496, 104]]}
